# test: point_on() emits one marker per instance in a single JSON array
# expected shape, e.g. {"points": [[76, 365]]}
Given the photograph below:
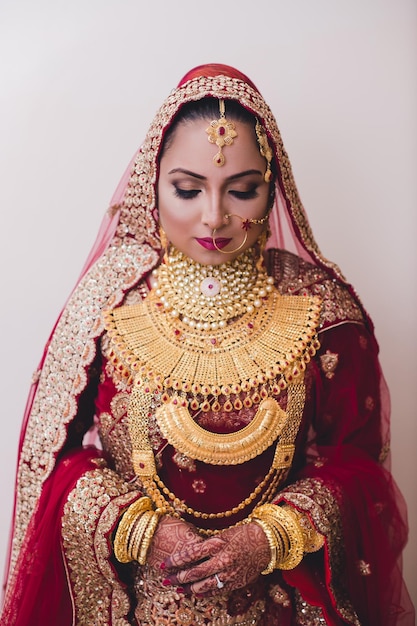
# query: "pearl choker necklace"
{"points": [[207, 296]]}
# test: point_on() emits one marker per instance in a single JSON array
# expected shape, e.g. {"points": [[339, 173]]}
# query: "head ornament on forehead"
{"points": [[221, 132]]}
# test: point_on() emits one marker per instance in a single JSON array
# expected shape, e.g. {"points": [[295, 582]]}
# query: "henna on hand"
{"points": [[171, 536], [237, 555]]}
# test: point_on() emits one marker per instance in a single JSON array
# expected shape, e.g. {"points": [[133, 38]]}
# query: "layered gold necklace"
{"points": [[214, 339], [240, 361]]}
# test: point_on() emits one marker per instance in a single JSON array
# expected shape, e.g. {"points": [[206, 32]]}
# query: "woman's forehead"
{"points": [[190, 146]]}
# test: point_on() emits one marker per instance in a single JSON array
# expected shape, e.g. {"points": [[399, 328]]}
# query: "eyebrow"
{"points": [[180, 170]]}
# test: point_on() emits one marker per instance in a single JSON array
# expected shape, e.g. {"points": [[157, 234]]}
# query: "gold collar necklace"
{"points": [[257, 353], [206, 297]]}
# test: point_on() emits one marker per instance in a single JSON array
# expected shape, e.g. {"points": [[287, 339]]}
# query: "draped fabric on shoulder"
{"points": [[69, 497]]}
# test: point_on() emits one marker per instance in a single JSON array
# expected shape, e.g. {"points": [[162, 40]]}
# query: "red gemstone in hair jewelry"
{"points": [[222, 130]]}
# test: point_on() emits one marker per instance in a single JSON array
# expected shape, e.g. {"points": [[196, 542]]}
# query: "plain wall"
{"points": [[79, 84]]}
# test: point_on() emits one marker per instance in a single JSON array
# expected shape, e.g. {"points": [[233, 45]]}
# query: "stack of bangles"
{"points": [[289, 532], [135, 531]]}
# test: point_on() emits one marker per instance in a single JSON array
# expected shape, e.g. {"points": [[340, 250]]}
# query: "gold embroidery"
{"points": [[295, 276], [364, 568], [184, 462], [369, 403], [158, 604], [321, 501], [385, 450], [329, 362], [90, 514], [119, 405], [307, 614], [199, 486], [279, 596], [63, 376]]}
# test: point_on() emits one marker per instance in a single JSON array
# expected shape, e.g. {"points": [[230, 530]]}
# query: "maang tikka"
{"points": [[221, 132]]}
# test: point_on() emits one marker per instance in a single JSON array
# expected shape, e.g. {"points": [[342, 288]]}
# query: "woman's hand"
{"points": [[172, 536], [232, 559]]}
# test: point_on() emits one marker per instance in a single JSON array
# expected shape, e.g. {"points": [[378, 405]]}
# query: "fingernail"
{"points": [[166, 582], [180, 590], [162, 566]]}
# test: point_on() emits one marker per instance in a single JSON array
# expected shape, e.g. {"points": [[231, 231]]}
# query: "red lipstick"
{"points": [[207, 242]]}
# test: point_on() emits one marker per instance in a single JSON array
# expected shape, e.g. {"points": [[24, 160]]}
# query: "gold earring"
{"points": [[163, 238], [262, 239], [221, 132], [264, 149]]}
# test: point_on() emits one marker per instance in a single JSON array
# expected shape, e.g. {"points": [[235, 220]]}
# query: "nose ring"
{"points": [[245, 227], [228, 251]]}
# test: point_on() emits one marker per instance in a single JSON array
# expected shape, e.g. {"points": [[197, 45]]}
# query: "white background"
{"points": [[79, 84]]}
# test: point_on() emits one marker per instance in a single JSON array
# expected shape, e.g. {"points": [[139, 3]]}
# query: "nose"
{"points": [[214, 214]]}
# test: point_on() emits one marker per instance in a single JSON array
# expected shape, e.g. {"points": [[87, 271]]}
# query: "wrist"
{"points": [[135, 531]]}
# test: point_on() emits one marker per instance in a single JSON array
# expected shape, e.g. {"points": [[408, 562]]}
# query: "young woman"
{"points": [[230, 376]]}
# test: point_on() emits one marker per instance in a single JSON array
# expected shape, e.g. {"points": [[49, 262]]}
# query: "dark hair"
{"points": [[206, 109]]}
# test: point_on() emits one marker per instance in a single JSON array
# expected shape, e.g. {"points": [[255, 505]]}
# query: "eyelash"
{"points": [[190, 194], [186, 194], [245, 195]]}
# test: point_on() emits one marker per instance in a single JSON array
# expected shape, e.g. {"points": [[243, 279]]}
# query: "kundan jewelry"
{"points": [[206, 297]]}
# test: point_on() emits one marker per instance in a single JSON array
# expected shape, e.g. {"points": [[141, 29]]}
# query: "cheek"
{"points": [[172, 213]]}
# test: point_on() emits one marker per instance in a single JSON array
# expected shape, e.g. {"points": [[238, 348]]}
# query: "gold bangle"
{"points": [[289, 524], [313, 540], [137, 537], [271, 541], [137, 529], [124, 529], [147, 538]]}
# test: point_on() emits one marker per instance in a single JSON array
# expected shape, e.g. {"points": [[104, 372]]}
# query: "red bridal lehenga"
{"points": [[297, 378]]}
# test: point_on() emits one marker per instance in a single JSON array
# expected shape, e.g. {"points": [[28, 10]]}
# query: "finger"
{"points": [[190, 555], [209, 586], [194, 553]]}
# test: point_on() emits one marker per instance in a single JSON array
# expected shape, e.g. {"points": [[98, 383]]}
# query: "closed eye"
{"points": [[245, 195], [186, 194]]}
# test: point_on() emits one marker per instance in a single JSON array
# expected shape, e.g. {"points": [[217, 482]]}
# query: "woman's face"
{"points": [[195, 197]]}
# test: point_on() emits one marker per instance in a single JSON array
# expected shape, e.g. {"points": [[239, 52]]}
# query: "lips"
{"points": [[207, 242]]}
